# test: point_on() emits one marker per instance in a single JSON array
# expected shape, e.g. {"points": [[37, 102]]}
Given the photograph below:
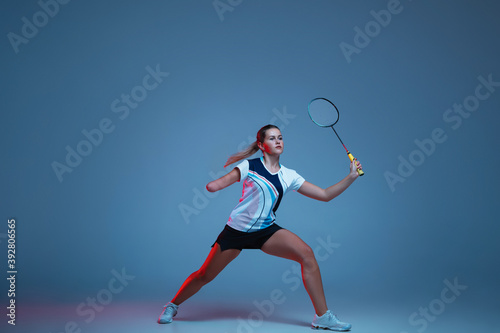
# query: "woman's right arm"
{"points": [[224, 181]]}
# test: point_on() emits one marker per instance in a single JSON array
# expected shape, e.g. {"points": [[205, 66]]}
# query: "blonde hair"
{"points": [[251, 149]]}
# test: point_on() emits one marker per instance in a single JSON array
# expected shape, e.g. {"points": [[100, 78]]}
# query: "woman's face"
{"points": [[273, 143]]}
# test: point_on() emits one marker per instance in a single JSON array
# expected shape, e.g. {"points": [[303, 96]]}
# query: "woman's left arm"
{"points": [[315, 192]]}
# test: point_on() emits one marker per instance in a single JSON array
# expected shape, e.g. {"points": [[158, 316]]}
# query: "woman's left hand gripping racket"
{"points": [[325, 114]]}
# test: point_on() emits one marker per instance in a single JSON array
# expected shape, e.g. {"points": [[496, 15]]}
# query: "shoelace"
{"points": [[333, 319], [169, 310]]}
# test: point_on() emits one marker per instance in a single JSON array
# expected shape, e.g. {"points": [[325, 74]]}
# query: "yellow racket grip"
{"points": [[360, 172]]}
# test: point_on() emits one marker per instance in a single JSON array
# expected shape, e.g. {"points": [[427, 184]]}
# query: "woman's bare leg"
{"points": [[285, 244], [213, 265]]}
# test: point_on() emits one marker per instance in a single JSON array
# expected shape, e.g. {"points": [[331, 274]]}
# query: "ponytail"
{"points": [[249, 151], [252, 149]]}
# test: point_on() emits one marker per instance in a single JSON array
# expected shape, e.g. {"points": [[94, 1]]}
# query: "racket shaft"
{"points": [[339, 139], [360, 172]]}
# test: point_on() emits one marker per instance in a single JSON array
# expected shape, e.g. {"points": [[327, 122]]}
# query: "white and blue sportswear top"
{"points": [[262, 193]]}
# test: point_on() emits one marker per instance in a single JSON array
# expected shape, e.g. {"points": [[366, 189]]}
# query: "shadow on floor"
{"points": [[207, 312]]}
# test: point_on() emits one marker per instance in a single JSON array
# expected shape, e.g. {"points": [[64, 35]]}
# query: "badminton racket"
{"points": [[325, 114]]}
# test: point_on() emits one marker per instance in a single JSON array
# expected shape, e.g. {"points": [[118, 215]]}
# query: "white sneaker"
{"points": [[169, 312], [330, 321]]}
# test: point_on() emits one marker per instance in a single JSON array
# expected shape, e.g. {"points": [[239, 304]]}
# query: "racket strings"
{"points": [[323, 112]]}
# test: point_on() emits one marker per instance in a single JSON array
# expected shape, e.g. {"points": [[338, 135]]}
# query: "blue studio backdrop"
{"points": [[116, 114]]}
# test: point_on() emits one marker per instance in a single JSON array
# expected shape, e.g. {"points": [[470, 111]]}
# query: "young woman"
{"points": [[252, 224]]}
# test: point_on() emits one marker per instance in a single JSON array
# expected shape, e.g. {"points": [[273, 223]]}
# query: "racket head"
{"points": [[323, 112]]}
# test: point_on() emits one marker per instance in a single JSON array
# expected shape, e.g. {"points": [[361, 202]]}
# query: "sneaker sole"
{"points": [[331, 329]]}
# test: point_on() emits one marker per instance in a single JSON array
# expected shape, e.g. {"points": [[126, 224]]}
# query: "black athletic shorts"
{"points": [[231, 238]]}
